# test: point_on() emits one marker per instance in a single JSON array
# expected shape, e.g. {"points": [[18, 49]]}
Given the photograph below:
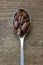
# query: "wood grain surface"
{"points": [[9, 42]]}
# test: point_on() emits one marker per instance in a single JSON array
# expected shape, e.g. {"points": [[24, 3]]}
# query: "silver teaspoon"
{"points": [[22, 44]]}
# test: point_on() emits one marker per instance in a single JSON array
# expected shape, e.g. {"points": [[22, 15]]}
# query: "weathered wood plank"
{"points": [[9, 42]]}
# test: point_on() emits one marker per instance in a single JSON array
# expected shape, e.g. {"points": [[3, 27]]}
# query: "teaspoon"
{"points": [[22, 44]]}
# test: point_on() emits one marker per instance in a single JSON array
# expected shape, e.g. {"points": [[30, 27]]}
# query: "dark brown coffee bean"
{"points": [[22, 20], [16, 18], [25, 27], [19, 31], [19, 13], [24, 13], [16, 24], [21, 10], [19, 19]]}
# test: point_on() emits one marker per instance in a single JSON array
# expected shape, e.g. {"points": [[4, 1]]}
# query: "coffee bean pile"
{"points": [[21, 22]]}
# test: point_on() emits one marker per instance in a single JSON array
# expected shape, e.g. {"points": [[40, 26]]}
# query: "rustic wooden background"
{"points": [[9, 42]]}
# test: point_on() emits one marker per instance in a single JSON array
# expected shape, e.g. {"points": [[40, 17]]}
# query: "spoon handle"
{"points": [[22, 51]]}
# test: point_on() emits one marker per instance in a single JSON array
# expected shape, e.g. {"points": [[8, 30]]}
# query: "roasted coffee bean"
{"points": [[21, 10], [22, 20], [25, 27], [24, 13], [16, 24], [19, 19], [19, 13], [16, 18], [19, 31]]}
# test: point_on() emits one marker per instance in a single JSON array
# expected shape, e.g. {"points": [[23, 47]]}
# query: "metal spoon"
{"points": [[22, 44]]}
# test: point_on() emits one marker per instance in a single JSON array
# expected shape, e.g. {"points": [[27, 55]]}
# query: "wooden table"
{"points": [[9, 42]]}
